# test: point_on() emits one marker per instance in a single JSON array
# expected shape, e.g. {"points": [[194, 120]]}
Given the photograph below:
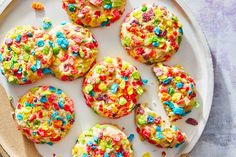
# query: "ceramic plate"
{"points": [[193, 55]]}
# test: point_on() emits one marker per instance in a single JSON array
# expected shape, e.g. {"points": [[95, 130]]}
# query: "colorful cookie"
{"points": [[177, 90], [103, 141], [94, 13], [151, 34], [155, 130], [45, 114], [111, 88], [74, 50], [25, 55]]}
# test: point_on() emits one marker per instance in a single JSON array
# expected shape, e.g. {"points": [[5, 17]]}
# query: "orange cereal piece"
{"points": [[37, 6]]}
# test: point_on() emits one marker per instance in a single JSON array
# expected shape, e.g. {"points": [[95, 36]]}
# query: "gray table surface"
{"points": [[218, 21]]}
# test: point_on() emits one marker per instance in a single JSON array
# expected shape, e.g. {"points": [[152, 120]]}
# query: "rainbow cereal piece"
{"points": [[155, 130], [94, 13], [46, 24], [74, 50], [176, 91], [103, 141], [25, 55], [151, 34], [45, 114], [37, 6], [111, 88]]}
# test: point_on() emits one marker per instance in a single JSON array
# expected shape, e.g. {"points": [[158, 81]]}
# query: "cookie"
{"points": [[103, 140], [111, 88], [177, 90], [94, 13], [151, 34], [45, 114], [25, 55], [155, 130], [74, 50]]}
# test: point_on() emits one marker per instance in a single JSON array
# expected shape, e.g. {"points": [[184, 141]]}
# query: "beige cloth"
{"points": [[13, 143]]}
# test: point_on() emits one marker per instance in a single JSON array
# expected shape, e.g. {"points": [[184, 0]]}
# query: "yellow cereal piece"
{"points": [[102, 87], [146, 154]]}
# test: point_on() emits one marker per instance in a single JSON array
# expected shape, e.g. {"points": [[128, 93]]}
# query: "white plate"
{"points": [[194, 55]]}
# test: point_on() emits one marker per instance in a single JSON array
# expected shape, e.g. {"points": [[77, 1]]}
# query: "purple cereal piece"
{"points": [[147, 16], [162, 33], [102, 98], [135, 22], [192, 121], [77, 29]]}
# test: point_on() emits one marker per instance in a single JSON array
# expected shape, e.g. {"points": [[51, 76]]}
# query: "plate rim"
{"points": [[210, 69]]}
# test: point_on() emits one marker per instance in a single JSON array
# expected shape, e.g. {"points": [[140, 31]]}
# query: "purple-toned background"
{"points": [[218, 21]]}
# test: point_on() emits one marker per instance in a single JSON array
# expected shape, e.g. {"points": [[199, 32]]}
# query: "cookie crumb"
{"points": [[37, 6], [10, 99]]}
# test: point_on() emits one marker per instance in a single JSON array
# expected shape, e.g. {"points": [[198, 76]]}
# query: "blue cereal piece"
{"points": [[19, 117], [40, 43], [61, 105], [168, 80], [159, 135], [179, 85], [63, 43], [145, 82], [155, 44], [18, 38], [33, 68], [169, 104], [47, 71], [43, 99], [131, 137], [52, 89], [114, 88], [157, 30], [150, 119], [60, 35], [158, 129], [107, 6], [178, 110]]}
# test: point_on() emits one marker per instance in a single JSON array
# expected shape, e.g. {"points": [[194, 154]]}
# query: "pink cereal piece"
{"points": [[95, 2]]}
